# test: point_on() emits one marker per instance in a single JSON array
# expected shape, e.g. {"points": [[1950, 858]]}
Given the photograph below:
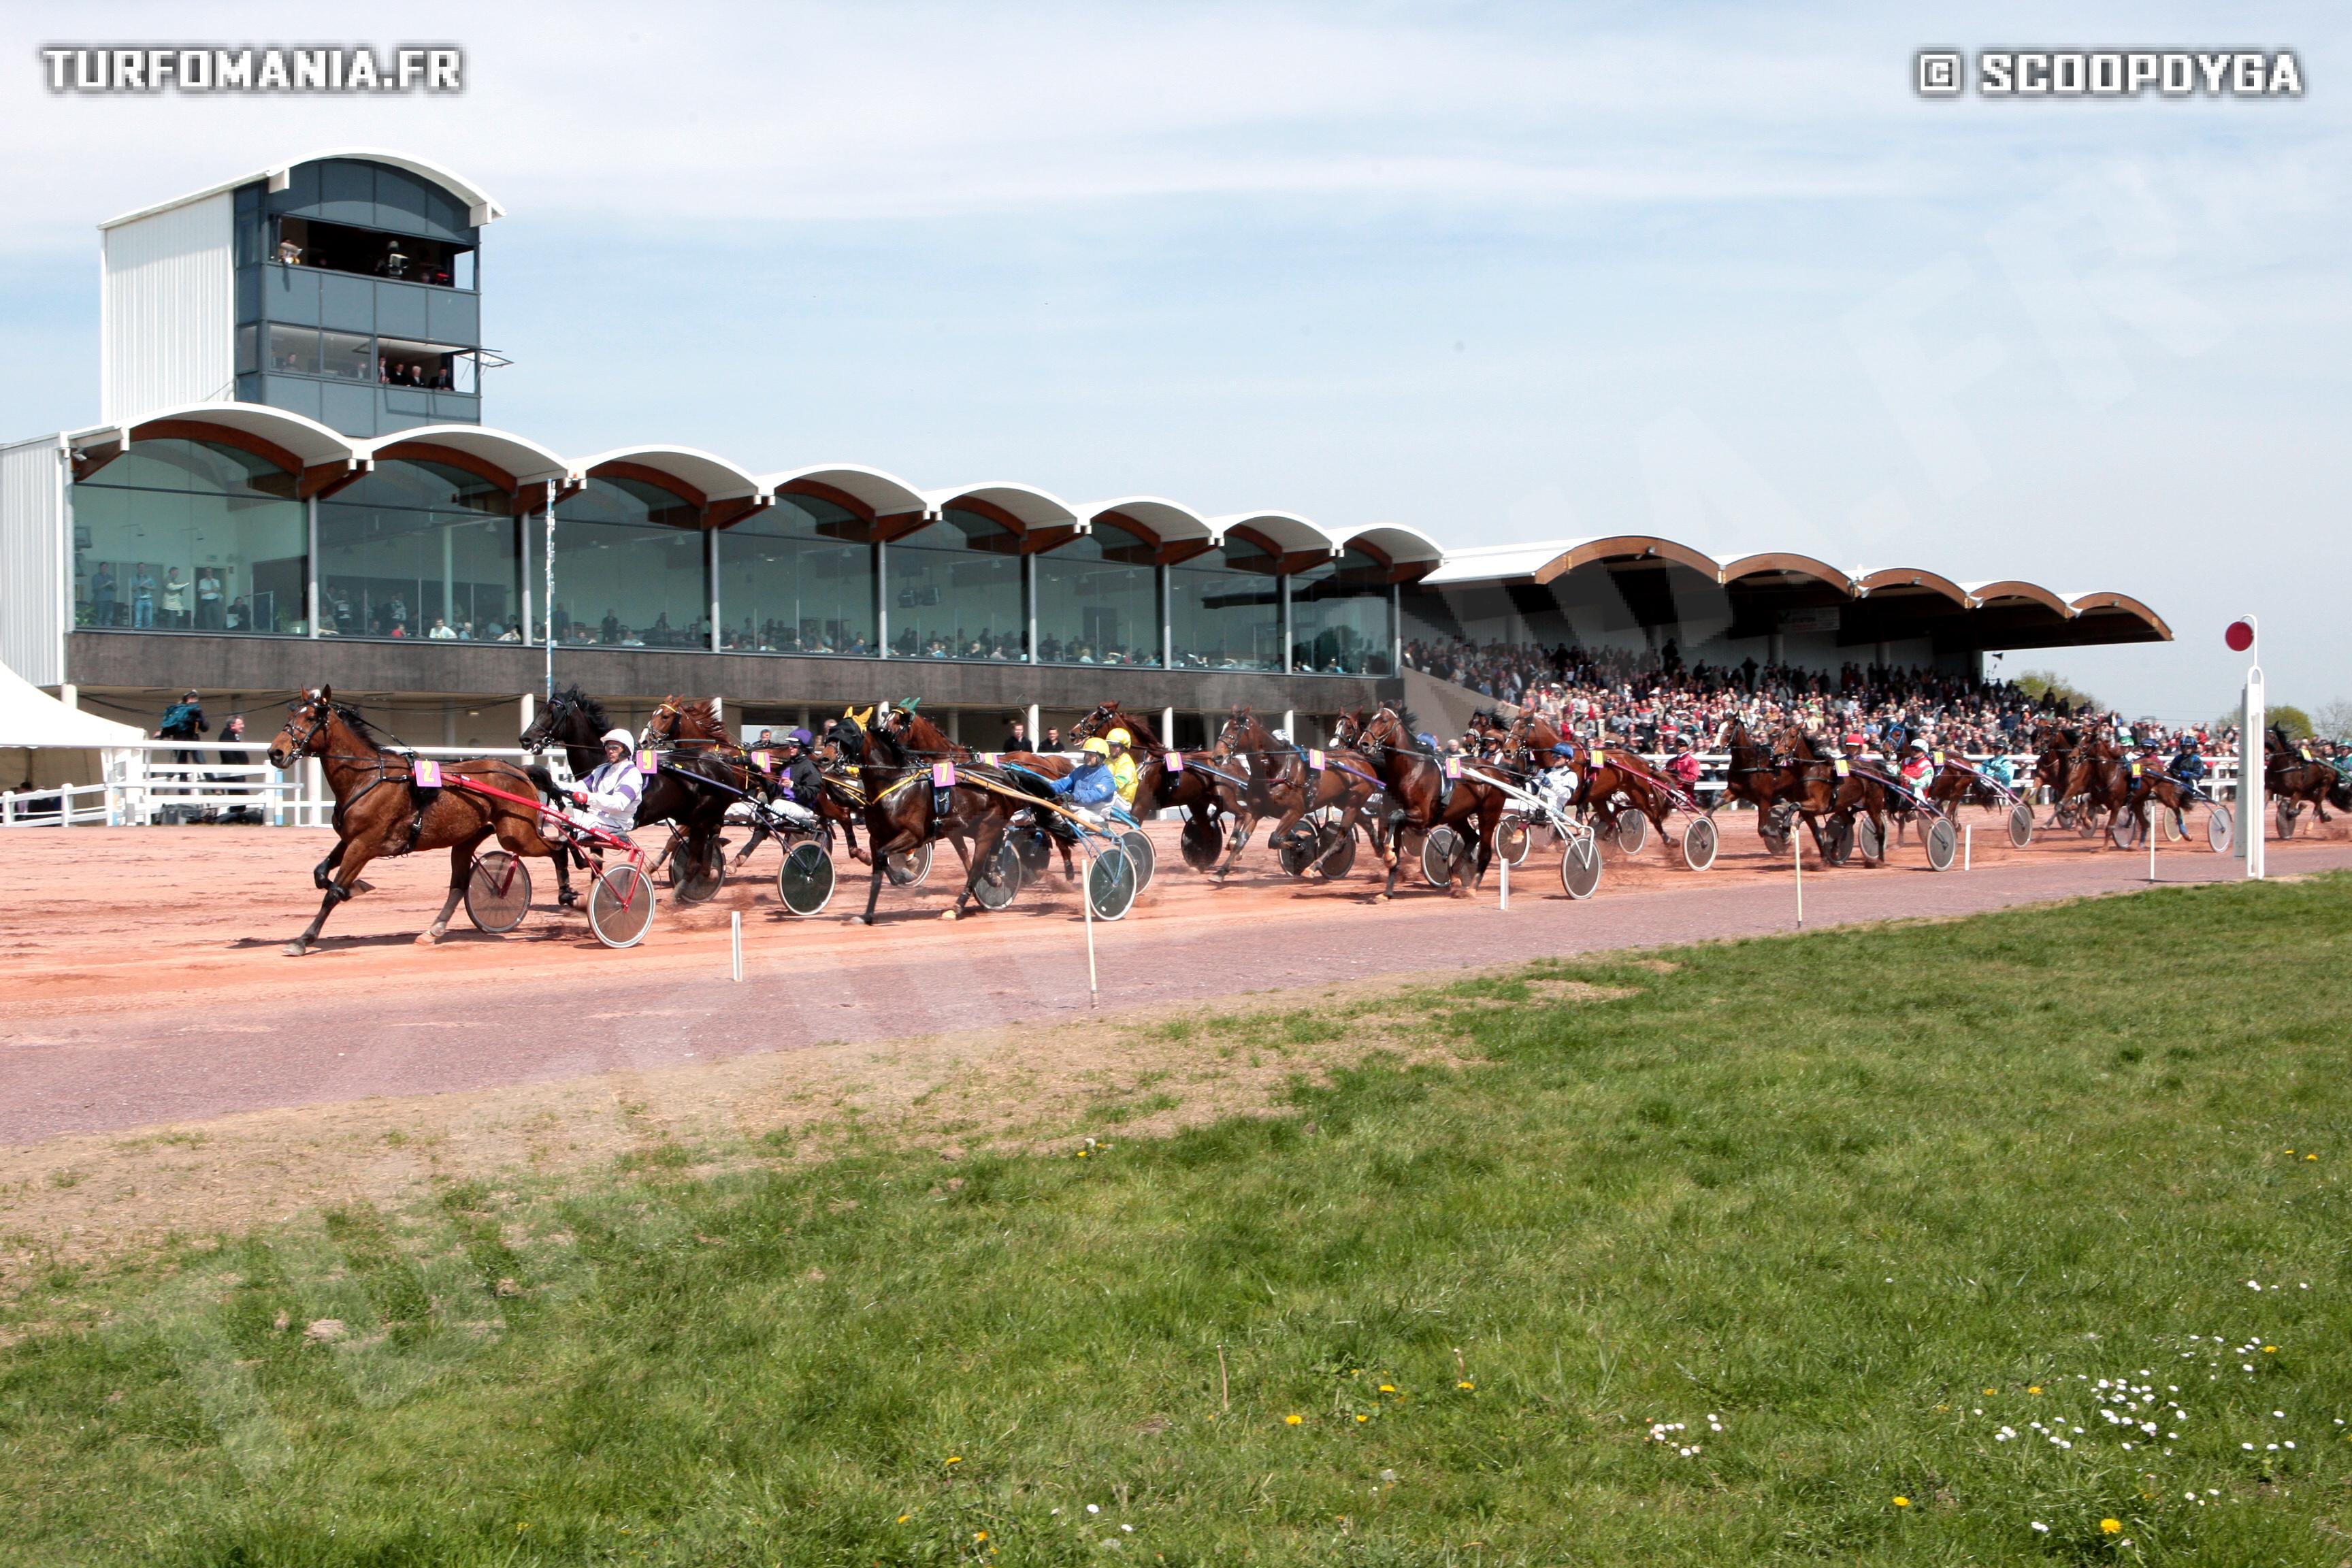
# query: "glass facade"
{"points": [[1225, 610], [1098, 600], [191, 536], [955, 591], [797, 577], [630, 568], [420, 550], [1339, 617]]}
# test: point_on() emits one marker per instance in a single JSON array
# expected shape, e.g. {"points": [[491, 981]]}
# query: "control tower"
{"points": [[345, 287]]}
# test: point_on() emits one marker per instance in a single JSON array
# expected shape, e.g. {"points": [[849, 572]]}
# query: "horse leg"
{"points": [[1241, 842], [324, 868], [874, 889], [461, 869], [337, 891], [758, 836]]}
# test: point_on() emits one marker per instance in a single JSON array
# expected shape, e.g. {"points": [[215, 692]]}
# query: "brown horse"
{"points": [[380, 811], [2293, 778], [1421, 796], [1284, 785], [1760, 775], [1854, 792], [2097, 779], [693, 725]]}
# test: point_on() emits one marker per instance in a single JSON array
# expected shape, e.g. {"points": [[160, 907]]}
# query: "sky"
{"points": [[1500, 272]]}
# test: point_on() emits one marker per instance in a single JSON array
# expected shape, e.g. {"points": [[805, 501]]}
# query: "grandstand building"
{"points": [[291, 482]]}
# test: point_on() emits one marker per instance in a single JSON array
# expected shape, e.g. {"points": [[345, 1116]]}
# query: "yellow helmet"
{"points": [[1097, 746], [1120, 737]]}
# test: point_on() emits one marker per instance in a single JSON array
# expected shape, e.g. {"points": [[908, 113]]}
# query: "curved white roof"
{"points": [[1034, 507], [1286, 529], [886, 493], [308, 441], [713, 476], [1171, 520], [1400, 544], [479, 208], [522, 459]]}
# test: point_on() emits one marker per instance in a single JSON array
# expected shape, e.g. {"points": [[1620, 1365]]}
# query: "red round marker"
{"points": [[2240, 637]]}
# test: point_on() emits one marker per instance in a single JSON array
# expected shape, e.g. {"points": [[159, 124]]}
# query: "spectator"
{"points": [[176, 599], [208, 600], [1016, 737], [143, 597], [102, 596], [441, 631], [184, 721]]}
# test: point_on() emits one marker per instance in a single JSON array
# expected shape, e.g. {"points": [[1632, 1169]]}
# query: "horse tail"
{"points": [[544, 780]]}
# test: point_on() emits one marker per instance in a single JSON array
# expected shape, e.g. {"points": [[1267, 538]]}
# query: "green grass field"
{"points": [[1755, 1254]]}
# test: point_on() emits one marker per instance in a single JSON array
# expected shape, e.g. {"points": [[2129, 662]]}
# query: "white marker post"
{"points": [[2244, 636], [1797, 849], [1968, 846], [1087, 900], [1506, 882], [735, 939]]}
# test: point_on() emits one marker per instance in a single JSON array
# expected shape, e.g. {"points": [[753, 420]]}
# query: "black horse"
{"points": [[681, 793]]}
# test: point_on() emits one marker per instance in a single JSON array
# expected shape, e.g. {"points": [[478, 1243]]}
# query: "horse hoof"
{"points": [[950, 914], [429, 936], [295, 950]]}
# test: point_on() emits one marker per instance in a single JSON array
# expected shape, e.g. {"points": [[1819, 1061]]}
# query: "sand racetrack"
{"points": [[144, 982]]}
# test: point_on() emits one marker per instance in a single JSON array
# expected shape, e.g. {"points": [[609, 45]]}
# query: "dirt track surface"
{"points": [[144, 984]]}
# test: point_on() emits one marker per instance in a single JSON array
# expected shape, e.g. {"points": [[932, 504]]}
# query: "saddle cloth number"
{"points": [[1452, 769], [1842, 769], [943, 775], [1315, 760], [759, 760], [427, 774], [1175, 761], [649, 762]]}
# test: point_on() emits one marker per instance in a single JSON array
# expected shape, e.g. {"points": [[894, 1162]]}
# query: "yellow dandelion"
{"points": [[1293, 1420], [955, 1458], [2111, 1526], [1082, 1153], [2269, 1350], [1903, 1502], [1363, 1418], [980, 1535], [2311, 1156], [1465, 1383], [1388, 1388], [1992, 1390], [905, 1517], [2033, 1388]]}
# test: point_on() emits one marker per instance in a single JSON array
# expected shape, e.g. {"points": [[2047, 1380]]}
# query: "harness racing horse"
{"points": [[2295, 780], [1766, 779], [1284, 783], [902, 809], [2097, 780], [381, 811], [679, 794], [1203, 793], [1421, 796], [693, 725], [1857, 790]]}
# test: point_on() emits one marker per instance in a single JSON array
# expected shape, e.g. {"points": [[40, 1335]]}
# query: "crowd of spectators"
{"points": [[1653, 701]]}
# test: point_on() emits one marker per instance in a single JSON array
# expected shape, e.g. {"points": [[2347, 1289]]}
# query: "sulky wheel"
{"points": [[1440, 847], [1870, 838], [2123, 831], [1339, 845], [1140, 854], [2021, 824], [2289, 816], [621, 905], [1699, 843], [1512, 840], [2220, 830], [1632, 831], [910, 867], [1943, 841], [498, 891], [999, 878], [1837, 840], [1200, 844], [1580, 867], [804, 881], [1110, 884]]}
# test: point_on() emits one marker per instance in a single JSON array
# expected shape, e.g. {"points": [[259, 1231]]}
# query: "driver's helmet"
{"points": [[799, 737], [1564, 750], [1120, 737], [1283, 736], [616, 736], [1096, 746]]}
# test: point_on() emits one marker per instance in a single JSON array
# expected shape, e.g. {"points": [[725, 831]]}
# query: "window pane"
{"points": [[789, 582], [419, 550], [629, 568], [1339, 618], [346, 357], [294, 348], [1223, 610], [1095, 603], [188, 536], [955, 592]]}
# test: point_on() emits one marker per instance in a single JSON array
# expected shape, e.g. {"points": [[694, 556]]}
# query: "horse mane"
{"points": [[358, 722], [588, 705]]}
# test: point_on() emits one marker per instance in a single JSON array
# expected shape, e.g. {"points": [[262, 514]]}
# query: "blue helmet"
{"points": [[801, 735], [1563, 749]]}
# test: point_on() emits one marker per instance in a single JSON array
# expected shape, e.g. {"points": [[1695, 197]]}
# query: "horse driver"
{"points": [[2189, 765], [1555, 782], [608, 798], [1090, 786], [1122, 763], [804, 785]]}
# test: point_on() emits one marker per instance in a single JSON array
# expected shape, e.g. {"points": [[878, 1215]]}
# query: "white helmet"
{"points": [[621, 738], [1283, 735]]}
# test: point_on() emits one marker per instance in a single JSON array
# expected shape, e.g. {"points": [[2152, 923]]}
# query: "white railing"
{"points": [[147, 781], [2221, 774]]}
